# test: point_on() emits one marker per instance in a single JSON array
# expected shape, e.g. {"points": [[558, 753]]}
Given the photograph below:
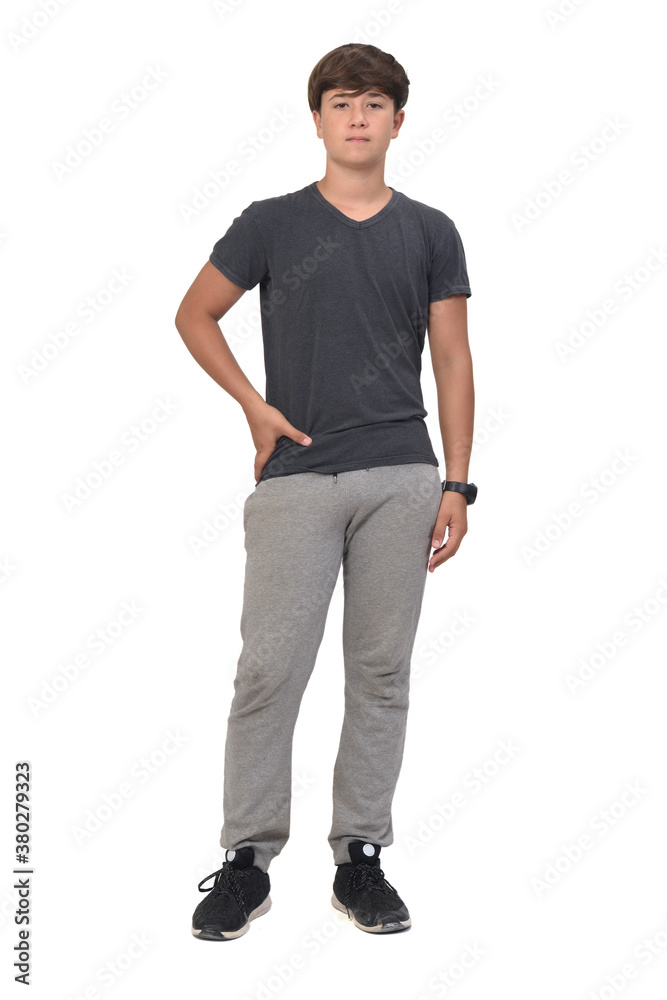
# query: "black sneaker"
{"points": [[362, 891], [239, 894]]}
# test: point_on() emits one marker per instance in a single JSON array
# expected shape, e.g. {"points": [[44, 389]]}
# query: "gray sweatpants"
{"points": [[299, 528]]}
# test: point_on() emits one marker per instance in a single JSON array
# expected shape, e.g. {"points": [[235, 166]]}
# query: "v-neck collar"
{"points": [[354, 223]]}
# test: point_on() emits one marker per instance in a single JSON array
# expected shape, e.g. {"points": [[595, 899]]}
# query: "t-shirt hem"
{"points": [[370, 463], [456, 290], [227, 271]]}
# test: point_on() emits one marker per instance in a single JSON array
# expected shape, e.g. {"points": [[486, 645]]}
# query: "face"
{"points": [[357, 129]]}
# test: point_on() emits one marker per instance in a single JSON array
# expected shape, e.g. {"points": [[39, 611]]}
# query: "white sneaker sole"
{"points": [[398, 925], [205, 934]]}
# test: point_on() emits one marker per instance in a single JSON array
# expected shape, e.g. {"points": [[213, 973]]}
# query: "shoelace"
{"points": [[363, 874], [228, 878]]}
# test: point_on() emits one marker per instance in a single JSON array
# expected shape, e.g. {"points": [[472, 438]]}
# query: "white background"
{"points": [[545, 594]]}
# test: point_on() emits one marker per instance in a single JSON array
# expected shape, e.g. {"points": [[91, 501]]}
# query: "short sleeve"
{"points": [[240, 253], [448, 274]]}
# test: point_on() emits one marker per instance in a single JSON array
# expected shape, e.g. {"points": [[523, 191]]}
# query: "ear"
{"points": [[399, 118]]}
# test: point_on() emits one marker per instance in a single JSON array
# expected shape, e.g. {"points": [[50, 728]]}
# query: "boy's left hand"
{"points": [[453, 514]]}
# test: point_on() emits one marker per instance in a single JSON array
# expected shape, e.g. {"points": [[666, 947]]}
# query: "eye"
{"points": [[373, 104]]}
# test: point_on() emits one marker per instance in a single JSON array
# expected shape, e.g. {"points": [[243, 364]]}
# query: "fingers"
{"points": [[449, 549], [299, 436]]}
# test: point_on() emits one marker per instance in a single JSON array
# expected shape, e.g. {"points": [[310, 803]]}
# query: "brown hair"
{"points": [[358, 68]]}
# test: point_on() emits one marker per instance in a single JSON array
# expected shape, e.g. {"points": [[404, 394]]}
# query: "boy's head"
{"points": [[356, 94], [358, 68]]}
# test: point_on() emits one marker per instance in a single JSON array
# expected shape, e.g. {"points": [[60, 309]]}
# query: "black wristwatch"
{"points": [[469, 490]]}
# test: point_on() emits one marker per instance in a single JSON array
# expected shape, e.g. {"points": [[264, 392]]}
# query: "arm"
{"points": [[452, 367], [207, 300]]}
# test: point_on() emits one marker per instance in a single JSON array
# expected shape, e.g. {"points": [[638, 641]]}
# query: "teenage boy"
{"points": [[351, 274]]}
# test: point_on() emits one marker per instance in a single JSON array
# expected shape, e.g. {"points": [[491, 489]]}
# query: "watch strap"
{"points": [[469, 490]]}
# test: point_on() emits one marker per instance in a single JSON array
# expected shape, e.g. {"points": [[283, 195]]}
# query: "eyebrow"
{"points": [[370, 93]]}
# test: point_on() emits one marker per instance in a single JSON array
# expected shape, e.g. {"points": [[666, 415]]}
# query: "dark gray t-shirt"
{"points": [[344, 307]]}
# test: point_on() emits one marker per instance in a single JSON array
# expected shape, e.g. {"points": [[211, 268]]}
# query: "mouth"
{"points": [[356, 138]]}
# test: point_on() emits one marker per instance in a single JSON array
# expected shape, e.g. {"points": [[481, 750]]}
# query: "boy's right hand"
{"points": [[267, 424]]}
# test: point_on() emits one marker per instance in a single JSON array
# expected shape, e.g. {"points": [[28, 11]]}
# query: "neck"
{"points": [[353, 188]]}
